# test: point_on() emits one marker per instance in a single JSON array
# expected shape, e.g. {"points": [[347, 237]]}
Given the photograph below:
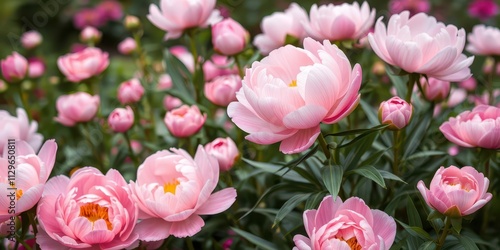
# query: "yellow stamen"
{"points": [[293, 84], [19, 194], [170, 187], [353, 243], [94, 212]]}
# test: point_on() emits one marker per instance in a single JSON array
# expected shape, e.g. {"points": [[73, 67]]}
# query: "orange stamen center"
{"points": [[94, 212]]}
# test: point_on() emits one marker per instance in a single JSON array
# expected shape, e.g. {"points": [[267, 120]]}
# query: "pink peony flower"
{"points": [[289, 93], [435, 90], [83, 64], [18, 128], [396, 112], [184, 121], [479, 127], [346, 225], [36, 67], [278, 25], [469, 84], [90, 34], [89, 210], [31, 173], [77, 107], [422, 45], [184, 56], [88, 17], [456, 192], [130, 91], [164, 82], [110, 10], [340, 22], [482, 41], [229, 37], [483, 9], [31, 39], [171, 102], [218, 66], [413, 6], [14, 67], [222, 89], [456, 97], [127, 46], [186, 184], [174, 16], [225, 150], [120, 120]]}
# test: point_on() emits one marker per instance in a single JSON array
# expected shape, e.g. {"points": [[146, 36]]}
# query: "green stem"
{"points": [[324, 145], [486, 209], [396, 150], [85, 128], [442, 238], [491, 97], [197, 67], [130, 150], [412, 79], [189, 243], [21, 241], [238, 65], [25, 102]]}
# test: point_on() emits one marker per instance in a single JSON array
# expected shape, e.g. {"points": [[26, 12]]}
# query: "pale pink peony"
{"points": [[130, 91], [483, 41], [77, 107], [121, 119], [340, 22], [83, 64], [469, 84], [229, 37], [289, 93], [225, 150], [479, 127], [345, 226], [218, 66], [31, 39], [89, 210], [456, 97], [186, 185], [36, 67], [396, 112], [164, 82], [184, 121], [31, 172], [483, 9], [222, 89], [90, 35], [171, 102], [19, 128], [422, 45], [14, 67], [184, 56], [127, 46], [278, 25], [435, 90], [174, 16], [456, 192]]}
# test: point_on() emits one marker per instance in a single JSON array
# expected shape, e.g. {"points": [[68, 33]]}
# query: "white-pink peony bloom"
{"points": [[484, 41], [19, 128]]}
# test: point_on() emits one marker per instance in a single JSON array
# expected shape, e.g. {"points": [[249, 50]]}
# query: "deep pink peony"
{"points": [[222, 89], [77, 107], [226, 152], [174, 16], [483, 9], [413, 6], [130, 91], [289, 93], [19, 128], [395, 112], [455, 190], [173, 190], [483, 41], [422, 45], [278, 25], [32, 171], [345, 226], [89, 210], [84, 64], [184, 121], [171, 102], [479, 127], [14, 67]]}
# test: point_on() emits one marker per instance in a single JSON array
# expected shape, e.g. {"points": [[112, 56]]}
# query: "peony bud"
{"points": [[31, 39], [130, 91], [121, 120], [14, 67], [184, 121], [225, 151], [229, 37], [435, 90], [396, 112], [36, 67], [127, 46], [77, 107], [132, 22], [222, 89], [90, 35]]}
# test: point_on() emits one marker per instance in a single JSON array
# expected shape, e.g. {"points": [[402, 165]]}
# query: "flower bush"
{"points": [[203, 124]]}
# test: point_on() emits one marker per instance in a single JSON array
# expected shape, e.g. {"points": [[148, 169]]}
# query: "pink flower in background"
{"points": [[222, 89], [479, 127], [229, 37], [278, 25], [164, 82], [413, 6], [456, 97], [186, 184], [14, 67], [483, 9], [396, 112], [482, 41], [77, 47], [88, 17], [171, 102], [184, 56], [483, 99], [127, 46], [435, 90], [84, 64], [184, 121], [110, 10], [130, 91], [89, 210], [121, 119], [422, 45], [31, 39], [32, 171], [174, 16], [36, 67], [469, 84], [456, 192], [225, 150], [217, 66], [345, 226], [77, 107], [19, 128], [288, 94], [90, 34], [340, 22]]}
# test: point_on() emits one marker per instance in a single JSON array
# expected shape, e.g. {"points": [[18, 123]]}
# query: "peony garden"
{"points": [[250, 124]]}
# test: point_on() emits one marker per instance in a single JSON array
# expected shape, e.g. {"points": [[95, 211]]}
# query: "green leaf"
{"points": [[359, 131], [456, 224], [412, 212], [374, 158], [277, 170], [467, 242], [264, 244], [425, 154], [416, 134], [181, 78], [371, 173], [415, 231], [428, 245], [390, 176], [357, 151], [332, 178], [268, 191], [314, 200], [289, 205]]}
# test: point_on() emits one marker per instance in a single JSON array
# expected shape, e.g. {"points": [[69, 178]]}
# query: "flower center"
{"points": [[353, 243], [19, 194], [95, 212], [170, 187], [293, 84]]}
